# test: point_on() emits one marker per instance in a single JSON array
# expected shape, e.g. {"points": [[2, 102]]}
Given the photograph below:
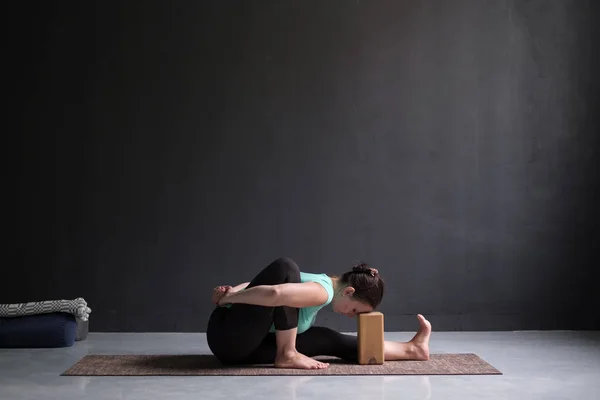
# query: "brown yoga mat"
{"points": [[198, 365]]}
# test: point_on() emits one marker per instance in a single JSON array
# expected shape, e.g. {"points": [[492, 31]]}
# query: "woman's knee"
{"points": [[286, 262], [287, 269]]}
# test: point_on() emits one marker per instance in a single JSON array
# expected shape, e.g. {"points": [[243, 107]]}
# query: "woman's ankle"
{"points": [[286, 353]]}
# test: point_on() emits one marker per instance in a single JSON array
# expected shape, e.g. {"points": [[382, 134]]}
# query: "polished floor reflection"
{"points": [[536, 365]]}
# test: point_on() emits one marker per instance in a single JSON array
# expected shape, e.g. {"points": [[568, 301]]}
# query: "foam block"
{"points": [[370, 338]]}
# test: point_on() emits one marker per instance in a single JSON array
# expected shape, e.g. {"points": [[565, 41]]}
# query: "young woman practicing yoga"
{"points": [[270, 319]]}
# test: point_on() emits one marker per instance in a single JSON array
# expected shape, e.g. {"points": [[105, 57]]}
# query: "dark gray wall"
{"points": [[165, 148]]}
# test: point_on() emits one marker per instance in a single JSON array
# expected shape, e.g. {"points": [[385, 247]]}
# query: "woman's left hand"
{"points": [[219, 292]]}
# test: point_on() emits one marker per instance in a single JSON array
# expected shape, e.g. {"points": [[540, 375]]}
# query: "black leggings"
{"points": [[240, 334]]}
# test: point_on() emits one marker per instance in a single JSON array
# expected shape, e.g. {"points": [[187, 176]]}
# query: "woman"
{"points": [[270, 319]]}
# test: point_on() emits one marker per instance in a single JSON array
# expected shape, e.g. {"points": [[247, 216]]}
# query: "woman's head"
{"points": [[358, 291]]}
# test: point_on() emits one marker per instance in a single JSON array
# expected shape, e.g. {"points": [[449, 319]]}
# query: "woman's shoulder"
{"points": [[320, 278], [315, 276]]}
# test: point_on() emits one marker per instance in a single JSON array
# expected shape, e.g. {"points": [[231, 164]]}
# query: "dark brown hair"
{"points": [[368, 285]]}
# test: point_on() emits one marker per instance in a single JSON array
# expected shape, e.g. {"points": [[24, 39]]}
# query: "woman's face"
{"points": [[346, 305]]}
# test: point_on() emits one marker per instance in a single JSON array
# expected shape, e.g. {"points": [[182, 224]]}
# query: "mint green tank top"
{"points": [[308, 315]]}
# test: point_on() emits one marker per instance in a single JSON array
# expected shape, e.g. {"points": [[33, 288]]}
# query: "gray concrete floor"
{"points": [[536, 365]]}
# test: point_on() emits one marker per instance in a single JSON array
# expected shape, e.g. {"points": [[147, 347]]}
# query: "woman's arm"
{"points": [[220, 291], [239, 287], [297, 295]]}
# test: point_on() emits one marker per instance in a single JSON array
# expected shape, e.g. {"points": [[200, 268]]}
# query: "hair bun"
{"points": [[361, 268], [365, 269]]}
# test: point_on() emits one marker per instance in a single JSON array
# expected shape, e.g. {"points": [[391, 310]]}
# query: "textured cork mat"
{"points": [[208, 365]]}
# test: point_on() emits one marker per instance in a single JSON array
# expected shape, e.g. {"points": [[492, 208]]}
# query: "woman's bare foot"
{"points": [[293, 359], [420, 343]]}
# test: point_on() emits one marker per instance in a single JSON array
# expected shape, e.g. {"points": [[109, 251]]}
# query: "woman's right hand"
{"points": [[219, 292]]}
